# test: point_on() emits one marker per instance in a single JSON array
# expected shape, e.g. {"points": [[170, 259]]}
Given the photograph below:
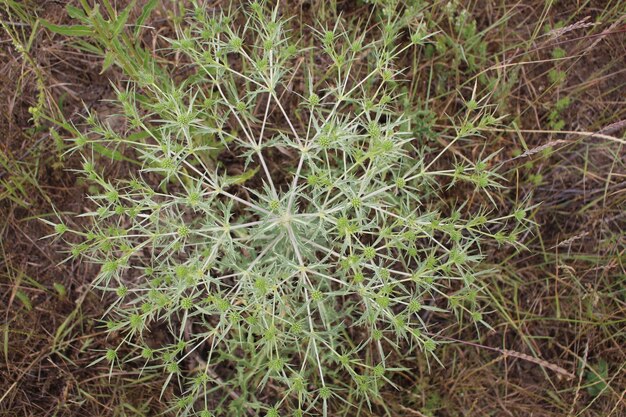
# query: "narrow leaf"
{"points": [[76, 13], [24, 299], [109, 59], [122, 19], [147, 9], [60, 289], [112, 154], [242, 178], [76, 30]]}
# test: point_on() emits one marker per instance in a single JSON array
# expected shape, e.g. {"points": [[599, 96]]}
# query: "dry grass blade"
{"points": [[538, 149], [570, 240], [543, 363], [605, 33], [581, 24], [613, 127]]}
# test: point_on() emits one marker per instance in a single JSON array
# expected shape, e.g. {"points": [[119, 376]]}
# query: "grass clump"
{"points": [[289, 287]]}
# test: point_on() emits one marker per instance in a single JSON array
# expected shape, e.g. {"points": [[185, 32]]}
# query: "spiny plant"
{"points": [[293, 287]]}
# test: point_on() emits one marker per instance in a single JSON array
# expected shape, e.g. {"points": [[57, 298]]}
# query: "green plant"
{"points": [[290, 287]]}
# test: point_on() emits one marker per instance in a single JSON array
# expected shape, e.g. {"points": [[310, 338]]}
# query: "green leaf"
{"points": [[596, 381], [112, 154], [109, 59], [5, 344], [87, 47], [147, 9], [60, 289], [24, 299], [122, 19], [240, 179], [76, 30], [76, 13], [138, 136]]}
